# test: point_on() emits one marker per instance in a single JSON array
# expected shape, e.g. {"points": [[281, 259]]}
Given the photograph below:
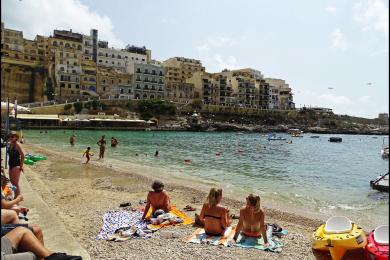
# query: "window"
{"points": [[77, 86], [104, 88], [112, 56], [62, 85], [143, 59], [62, 69], [100, 61], [119, 57], [69, 85]]}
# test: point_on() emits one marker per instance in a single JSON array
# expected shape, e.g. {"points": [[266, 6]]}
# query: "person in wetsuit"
{"points": [[251, 221], [214, 217], [15, 161]]}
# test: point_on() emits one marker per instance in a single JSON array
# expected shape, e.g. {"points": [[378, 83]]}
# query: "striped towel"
{"points": [[200, 237]]}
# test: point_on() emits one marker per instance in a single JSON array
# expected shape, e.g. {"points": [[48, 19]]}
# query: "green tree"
{"points": [[67, 108], [78, 106]]}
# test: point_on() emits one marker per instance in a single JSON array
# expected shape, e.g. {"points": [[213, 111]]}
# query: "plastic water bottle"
{"points": [[269, 232]]}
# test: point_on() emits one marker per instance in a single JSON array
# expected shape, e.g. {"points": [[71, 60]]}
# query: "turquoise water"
{"points": [[311, 174]]}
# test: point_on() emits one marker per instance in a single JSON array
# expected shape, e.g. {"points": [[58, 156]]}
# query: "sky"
{"points": [[333, 54]]}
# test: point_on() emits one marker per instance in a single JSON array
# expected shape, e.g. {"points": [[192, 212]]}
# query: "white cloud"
{"points": [[43, 16], [210, 53], [338, 40], [334, 99], [372, 15], [331, 9]]}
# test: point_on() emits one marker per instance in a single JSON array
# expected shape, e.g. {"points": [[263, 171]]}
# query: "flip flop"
{"points": [[125, 204], [189, 208], [233, 216]]}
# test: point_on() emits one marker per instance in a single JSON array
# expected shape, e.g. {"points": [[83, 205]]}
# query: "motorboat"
{"points": [[315, 136], [381, 183], [378, 243], [338, 235], [273, 137], [295, 132], [335, 139]]}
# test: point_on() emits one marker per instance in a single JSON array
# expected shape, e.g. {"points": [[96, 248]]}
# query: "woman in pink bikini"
{"points": [[251, 221]]}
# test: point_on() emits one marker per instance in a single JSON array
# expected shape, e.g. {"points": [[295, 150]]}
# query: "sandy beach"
{"points": [[80, 194]]}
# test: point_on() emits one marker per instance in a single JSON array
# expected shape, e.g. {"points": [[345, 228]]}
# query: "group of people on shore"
{"points": [[15, 236], [214, 217]]}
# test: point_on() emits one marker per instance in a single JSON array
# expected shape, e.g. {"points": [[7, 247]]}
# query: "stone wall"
{"points": [[22, 81]]}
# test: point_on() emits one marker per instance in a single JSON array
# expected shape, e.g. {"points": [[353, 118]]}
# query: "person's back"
{"points": [[159, 200], [215, 218]]}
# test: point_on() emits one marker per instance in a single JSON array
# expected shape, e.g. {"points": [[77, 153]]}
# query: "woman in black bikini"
{"points": [[15, 162]]}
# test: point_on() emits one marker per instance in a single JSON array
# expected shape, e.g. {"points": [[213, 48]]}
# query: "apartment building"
{"points": [[177, 71], [111, 80], [281, 96], [148, 81], [124, 59]]}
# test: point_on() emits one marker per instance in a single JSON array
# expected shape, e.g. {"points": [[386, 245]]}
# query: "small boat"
{"points": [[381, 183], [335, 139], [315, 136], [338, 235], [378, 244], [276, 138]]}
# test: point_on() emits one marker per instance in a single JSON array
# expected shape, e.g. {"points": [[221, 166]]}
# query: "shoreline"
{"points": [[81, 193]]}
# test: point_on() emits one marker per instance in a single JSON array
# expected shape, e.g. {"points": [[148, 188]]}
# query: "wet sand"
{"points": [[80, 194]]}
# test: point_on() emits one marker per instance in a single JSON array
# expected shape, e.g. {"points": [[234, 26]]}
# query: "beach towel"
{"points": [[200, 237], [187, 220], [258, 243], [120, 219]]}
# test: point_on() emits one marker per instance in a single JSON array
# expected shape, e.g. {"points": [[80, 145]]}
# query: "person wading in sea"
{"points": [[102, 147], [72, 139]]}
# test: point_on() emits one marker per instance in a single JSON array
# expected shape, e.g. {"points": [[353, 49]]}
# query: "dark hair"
{"points": [[157, 186], [89, 148]]}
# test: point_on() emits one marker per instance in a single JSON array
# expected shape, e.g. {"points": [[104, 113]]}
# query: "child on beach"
{"points": [[251, 220], [158, 199], [88, 154], [213, 216]]}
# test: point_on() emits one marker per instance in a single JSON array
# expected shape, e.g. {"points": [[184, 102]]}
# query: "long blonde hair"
{"points": [[213, 195], [254, 201]]}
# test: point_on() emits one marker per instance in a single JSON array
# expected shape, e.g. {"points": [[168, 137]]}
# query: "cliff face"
{"points": [[22, 81]]}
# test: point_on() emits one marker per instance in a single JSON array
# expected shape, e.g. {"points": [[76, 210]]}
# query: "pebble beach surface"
{"points": [[80, 194]]}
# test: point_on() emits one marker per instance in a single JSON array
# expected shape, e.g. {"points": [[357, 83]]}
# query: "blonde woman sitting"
{"points": [[251, 221], [214, 217]]}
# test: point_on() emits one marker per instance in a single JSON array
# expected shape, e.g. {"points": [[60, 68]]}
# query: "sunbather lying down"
{"points": [[158, 199]]}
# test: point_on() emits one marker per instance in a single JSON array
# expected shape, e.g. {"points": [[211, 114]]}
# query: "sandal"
{"points": [[233, 216], [189, 208]]}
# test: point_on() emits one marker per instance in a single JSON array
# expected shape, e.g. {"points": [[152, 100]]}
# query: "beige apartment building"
{"points": [[177, 71], [242, 88], [281, 96], [110, 80]]}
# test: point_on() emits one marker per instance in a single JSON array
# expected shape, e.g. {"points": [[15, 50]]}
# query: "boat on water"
{"points": [[335, 139], [378, 243], [381, 183], [315, 136], [273, 137], [295, 132]]}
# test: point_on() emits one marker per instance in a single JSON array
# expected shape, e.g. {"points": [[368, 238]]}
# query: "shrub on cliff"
{"points": [[156, 107], [78, 106]]}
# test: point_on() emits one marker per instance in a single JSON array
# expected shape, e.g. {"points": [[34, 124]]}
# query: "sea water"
{"points": [[310, 175]]}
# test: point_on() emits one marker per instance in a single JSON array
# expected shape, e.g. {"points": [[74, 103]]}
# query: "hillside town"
{"points": [[72, 66]]}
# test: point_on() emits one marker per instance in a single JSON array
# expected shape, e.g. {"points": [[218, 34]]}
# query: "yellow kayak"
{"points": [[337, 236]]}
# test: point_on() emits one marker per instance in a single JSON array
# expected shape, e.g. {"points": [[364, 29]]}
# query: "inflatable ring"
{"points": [[28, 161]]}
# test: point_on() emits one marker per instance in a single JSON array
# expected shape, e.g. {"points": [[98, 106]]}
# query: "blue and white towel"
{"points": [[116, 219]]}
